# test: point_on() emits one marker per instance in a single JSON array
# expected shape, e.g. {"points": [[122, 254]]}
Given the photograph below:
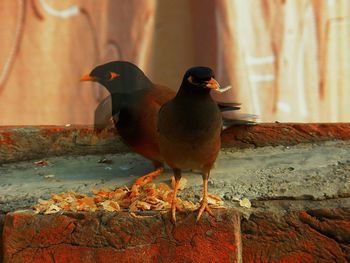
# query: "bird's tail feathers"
{"points": [[231, 117]]}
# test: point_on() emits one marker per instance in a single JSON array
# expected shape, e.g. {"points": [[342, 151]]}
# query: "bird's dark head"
{"points": [[200, 78], [119, 77]]}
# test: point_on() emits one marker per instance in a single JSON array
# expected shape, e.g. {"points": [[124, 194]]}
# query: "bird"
{"points": [[133, 104], [189, 127]]}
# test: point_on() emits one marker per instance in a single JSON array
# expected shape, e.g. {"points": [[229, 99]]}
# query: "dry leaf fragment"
{"points": [[52, 209], [43, 202], [64, 205], [245, 203], [147, 197], [69, 199], [98, 199], [133, 206], [117, 196], [188, 205], [144, 205], [182, 183], [37, 210], [78, 195], [139, 205], [101, 193], [123, 189], [152, 200], [162, 206], [57, 197], [163, 187], [151, 192], [89, 201], [214, 200], [125, 203], [110, 206]]}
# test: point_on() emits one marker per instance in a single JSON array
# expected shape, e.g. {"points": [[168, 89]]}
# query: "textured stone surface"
{"points": [[118, 237], [24, 143], [309, 171], [321, 235]]}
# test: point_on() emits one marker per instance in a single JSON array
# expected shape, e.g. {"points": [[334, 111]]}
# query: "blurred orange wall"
{"points": [[286, 60]]}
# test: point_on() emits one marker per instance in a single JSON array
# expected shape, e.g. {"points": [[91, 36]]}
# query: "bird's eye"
{"points": [[111, 75], [193, 80]]}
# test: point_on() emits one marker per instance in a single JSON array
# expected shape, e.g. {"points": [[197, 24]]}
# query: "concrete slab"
{"points": [[305, 171]]}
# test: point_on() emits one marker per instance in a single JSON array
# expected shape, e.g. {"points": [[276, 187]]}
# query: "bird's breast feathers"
{"points": [[189, 124]]}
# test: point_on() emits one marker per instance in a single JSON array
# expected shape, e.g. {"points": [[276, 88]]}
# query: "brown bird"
{"points": [[135, 102], [189, 130], [135, 105]]}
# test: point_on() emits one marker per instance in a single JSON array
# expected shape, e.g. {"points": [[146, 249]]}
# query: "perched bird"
{"points": [[189, 128], [135, 105], [135, 102]]}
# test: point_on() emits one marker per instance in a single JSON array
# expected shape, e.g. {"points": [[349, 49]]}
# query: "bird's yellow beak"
{"points": [[212, 84], [87, 77]]}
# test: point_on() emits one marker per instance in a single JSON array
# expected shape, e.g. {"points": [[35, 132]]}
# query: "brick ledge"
{"points": [[19, 143]]}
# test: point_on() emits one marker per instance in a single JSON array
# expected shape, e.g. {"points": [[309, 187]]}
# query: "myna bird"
{"points": [[135, 103], [189, 128]]}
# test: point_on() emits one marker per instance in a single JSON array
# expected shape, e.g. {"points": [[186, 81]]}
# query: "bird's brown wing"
{"points": [[148, 142], [161, 94]]}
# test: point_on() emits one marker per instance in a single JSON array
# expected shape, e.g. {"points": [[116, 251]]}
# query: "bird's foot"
{"points": [[174, 207], [204, 207], [145, 179]]}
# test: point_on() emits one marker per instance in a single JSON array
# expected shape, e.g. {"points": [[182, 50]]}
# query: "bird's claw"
{"points": [[204, 207], [174, 206], [145, 179]]}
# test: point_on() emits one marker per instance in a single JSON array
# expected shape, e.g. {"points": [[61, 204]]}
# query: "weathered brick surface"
{"points": [[273, 134], [314, 236], [24, 143], [118, 237]]}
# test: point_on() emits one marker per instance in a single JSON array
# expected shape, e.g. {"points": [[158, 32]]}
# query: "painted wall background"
{"points": [[286, 60]]}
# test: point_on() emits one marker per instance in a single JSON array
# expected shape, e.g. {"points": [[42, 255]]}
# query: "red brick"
{"points": [[273, 134], [118, 237], [312, 236], [25, 142]]}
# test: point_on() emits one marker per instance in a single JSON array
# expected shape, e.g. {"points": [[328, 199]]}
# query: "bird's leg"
{"points": [[177, 176], [147, 178], [204, 203]]}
